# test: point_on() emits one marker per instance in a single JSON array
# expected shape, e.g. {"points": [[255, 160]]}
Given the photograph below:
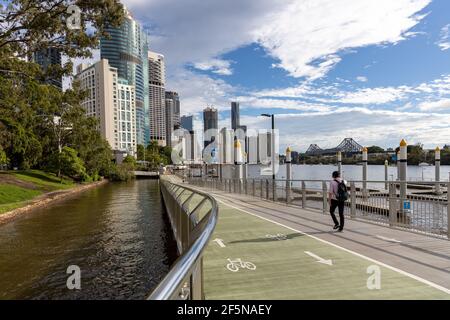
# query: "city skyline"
{"points": [[391, 81]]}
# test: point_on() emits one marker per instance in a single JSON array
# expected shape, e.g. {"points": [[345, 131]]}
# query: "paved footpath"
{"points": [[283, 252]]}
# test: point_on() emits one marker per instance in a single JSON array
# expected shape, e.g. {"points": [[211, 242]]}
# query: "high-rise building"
{"points": [[157, 101], [46, 58], [169, 109], [210, 122], [176, 108], [112, 101], [126, 49], [235, 116], [187, 123]]}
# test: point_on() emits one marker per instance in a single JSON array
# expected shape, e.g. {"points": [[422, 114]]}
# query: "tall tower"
{"points": [[210, 121], [47, 58], [157, 100], [126, 50], [235, 116], [176, 108]]}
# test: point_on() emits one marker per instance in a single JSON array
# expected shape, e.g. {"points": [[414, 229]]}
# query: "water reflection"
{"points": [[117, 234]]}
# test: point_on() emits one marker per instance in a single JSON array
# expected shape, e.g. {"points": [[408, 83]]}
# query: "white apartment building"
{"points": [[157, 99], [112, 101]]}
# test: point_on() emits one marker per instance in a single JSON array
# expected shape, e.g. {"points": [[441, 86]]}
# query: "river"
{"points": [[354, 172], [118, 235]]}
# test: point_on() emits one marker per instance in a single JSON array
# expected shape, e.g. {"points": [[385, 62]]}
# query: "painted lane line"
{"points": [[388, 239], [319, 259], [429, 283], [220, 243]]}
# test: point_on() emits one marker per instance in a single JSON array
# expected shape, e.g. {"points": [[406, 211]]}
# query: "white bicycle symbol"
{"points": [[235, 265], [278, 236]]}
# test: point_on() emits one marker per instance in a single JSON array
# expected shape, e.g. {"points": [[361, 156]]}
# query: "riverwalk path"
{"points": [[266, 250]]}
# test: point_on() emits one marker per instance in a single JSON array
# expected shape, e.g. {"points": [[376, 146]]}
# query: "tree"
{"points": [[3, 158], [131, 161], [71, 165], [375, 149]]}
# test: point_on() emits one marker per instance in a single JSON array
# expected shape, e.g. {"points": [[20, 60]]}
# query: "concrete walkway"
{"points": [[282, 252]]}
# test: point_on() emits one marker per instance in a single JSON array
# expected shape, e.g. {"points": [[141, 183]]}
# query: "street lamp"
{"points": [[272, 116]]}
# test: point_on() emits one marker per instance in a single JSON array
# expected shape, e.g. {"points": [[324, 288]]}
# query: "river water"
{"points": [[117, 234], [354, 172]]}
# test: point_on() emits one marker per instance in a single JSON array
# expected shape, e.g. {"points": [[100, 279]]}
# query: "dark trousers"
{"points": [[340, 205]]}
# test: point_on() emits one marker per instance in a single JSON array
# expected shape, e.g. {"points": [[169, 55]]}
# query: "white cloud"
{"points": [[373, 96], [443, 104], [362, 79], [309, 31], [305, 36], [368, 127], [444, 41], [218, 66]]}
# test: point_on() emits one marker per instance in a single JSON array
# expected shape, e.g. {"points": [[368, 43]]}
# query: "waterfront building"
{"points": [[157, 108], [210, 122], [127, 50], [46, 58], [112, 101], [169, 109]]}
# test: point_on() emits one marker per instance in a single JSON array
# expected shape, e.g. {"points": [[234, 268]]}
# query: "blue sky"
{"points": [[377, 71]]}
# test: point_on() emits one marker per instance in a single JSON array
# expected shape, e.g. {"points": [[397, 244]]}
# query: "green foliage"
{"points": [[131, 161], [375, 149], [122, 172], [154, 155], [71, 165], [3, 157]]}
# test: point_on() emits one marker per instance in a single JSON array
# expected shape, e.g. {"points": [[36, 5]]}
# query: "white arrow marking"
{"points": [[388, 239], [319, 259], [220, 243]]}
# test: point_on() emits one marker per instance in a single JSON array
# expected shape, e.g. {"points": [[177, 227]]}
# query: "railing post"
{"points": [[448, 211], [365, 161], [353, 200], [254, 187], [437, 166], [274, 190], [303, 194], [403, 167], [392, 204], [288, 174], [261, 189], [267, 189], [325, 197], [386, 175], [197, 282]]}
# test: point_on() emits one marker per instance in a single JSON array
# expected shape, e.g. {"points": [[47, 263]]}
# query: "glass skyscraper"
{"points": [[127, 50]]}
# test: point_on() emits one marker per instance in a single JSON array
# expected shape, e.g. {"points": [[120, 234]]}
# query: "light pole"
{"points": [[272, 116]]}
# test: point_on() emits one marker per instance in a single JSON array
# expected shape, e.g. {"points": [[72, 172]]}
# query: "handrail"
{"points": [[186, 264]]}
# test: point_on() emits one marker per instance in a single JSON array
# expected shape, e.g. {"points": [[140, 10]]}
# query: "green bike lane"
{"points": [[293, 265]]}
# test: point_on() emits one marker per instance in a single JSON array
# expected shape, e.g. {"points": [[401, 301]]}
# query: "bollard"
{"points": [[353, 200], [288, 174], [303, 194], [339, 161], [325, 197], [386, 175], [365, 162], [437, 167], [403, 167]]}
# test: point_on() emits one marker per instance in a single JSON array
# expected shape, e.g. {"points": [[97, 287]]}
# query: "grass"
{"points": [[43, 180], [12, 197]]}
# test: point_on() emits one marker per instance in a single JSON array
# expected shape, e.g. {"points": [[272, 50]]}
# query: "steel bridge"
{"points": [[347, 146]]}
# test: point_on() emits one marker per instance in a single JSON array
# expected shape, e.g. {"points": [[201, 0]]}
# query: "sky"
{"points": [[376, 71]]}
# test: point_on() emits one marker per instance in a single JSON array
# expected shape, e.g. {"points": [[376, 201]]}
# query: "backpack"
{"points": [[342, 192]]}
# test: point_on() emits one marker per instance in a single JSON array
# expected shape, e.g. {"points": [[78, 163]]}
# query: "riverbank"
{"points": [[22, 192]]}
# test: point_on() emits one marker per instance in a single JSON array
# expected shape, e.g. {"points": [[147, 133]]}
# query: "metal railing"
{"points": [[424, 208], [193, 216]]}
